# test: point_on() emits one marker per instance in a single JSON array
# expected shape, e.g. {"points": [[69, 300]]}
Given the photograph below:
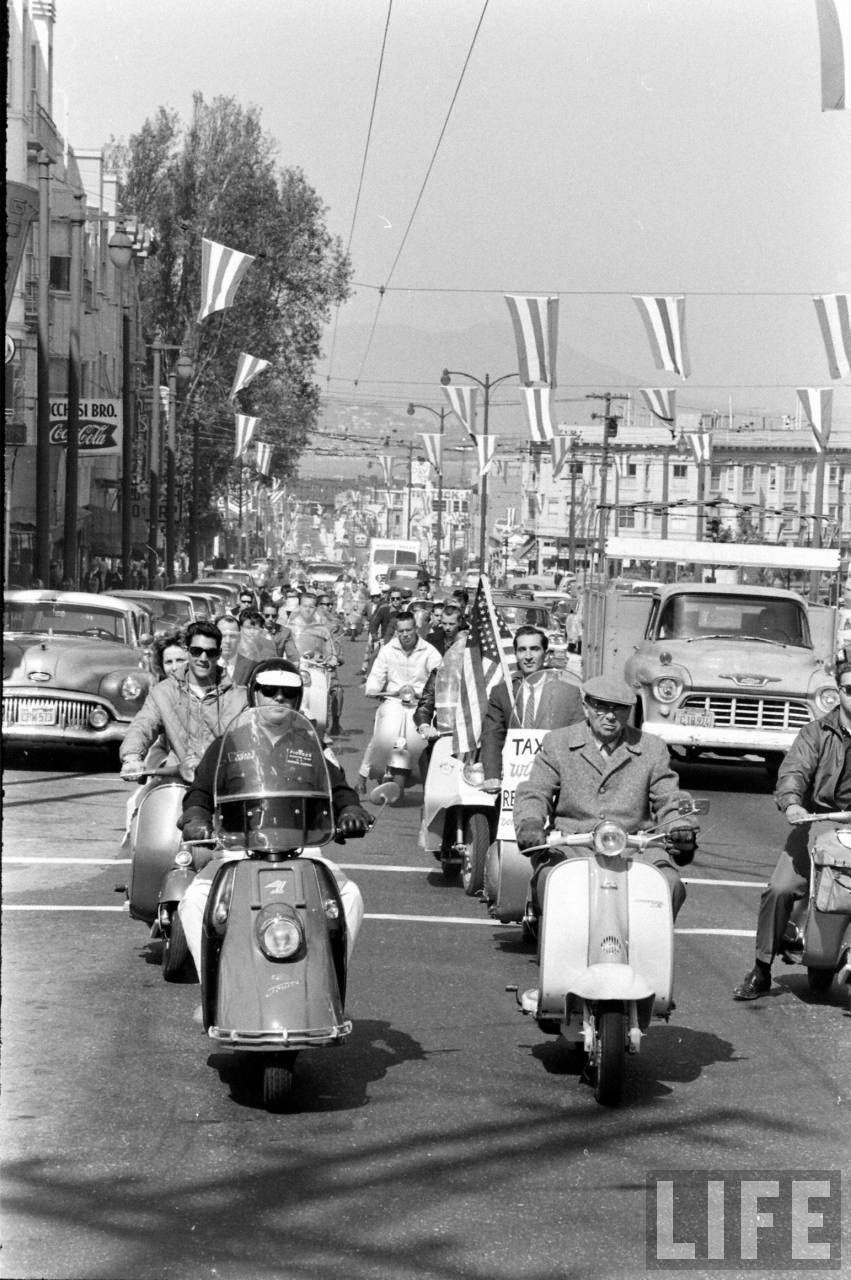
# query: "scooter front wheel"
{"points": [[477, 839], [278, 1081], [609, 1058]]}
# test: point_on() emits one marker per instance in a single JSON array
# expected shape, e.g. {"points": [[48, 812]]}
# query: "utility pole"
{"points": [[610, 430]]}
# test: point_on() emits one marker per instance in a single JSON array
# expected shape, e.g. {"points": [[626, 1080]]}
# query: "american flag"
{"points": [[221, 271], [488, 658]]}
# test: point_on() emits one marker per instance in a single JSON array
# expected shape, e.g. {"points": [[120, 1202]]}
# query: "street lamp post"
{"points": [[441, 414], [122, 249], [487, 386]]}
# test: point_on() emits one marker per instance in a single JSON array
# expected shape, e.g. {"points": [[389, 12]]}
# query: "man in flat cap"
{"points": [[603, 768]]}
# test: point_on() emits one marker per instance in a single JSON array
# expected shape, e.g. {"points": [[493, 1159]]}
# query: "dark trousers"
{"points": [[790, 880]]}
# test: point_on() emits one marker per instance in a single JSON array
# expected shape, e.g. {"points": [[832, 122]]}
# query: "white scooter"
{"points": [[396, 745], [606, 949], [818, 935]]}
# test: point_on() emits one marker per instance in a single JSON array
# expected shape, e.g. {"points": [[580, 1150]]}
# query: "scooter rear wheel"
{"points": [[278, 1082], [610, 1058]]}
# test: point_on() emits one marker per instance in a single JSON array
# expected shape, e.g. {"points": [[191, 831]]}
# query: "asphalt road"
{"points": [[448, 1138]]}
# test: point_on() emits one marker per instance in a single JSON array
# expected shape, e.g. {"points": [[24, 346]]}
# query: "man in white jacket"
{"points": [[403, 663]]}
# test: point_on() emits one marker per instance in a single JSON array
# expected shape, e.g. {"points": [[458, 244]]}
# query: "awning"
{"points": [[524, 552]]}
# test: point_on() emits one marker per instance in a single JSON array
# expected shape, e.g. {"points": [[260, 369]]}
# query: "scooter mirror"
{"points": [[385, 793], [701, 806]]}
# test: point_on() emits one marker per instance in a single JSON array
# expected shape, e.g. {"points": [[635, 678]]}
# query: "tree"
{"points": [[218, 177]]}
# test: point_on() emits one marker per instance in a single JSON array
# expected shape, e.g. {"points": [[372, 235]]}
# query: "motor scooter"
{"points": [[507, 872], [818, 934], [316, 690], [275, 947], [605, 949], [161, 868], [459, 819], [396, 746]]}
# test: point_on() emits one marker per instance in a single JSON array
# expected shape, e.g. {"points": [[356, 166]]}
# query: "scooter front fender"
{"points": [[175, 884], [608, 982], [446, 789]]}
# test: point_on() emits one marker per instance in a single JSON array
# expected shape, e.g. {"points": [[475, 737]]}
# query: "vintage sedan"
{"points": [[169, 610], [75, 669]]}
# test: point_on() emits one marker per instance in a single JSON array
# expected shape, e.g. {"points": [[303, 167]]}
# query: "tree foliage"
{"points": [[218, 176]]}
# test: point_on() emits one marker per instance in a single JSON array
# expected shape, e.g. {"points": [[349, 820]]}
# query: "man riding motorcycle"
{"points": [[275, 687]]}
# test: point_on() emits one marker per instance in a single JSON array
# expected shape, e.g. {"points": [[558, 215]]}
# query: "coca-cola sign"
{"points": [[100, 429]]}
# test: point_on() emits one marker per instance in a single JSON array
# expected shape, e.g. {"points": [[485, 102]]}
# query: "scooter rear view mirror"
{"points": [[701, 806], [385, 793]]}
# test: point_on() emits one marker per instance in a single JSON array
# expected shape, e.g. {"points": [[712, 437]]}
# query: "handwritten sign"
{"points": [[521, 747]]}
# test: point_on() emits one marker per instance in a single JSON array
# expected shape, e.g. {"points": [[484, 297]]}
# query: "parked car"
{"points": [[322, 573], [169, 610], [228, 592], [206, 604], [242, 577], [75, 667]]}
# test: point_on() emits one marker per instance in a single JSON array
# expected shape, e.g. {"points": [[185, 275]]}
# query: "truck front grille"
{"points": [[746, 711]]}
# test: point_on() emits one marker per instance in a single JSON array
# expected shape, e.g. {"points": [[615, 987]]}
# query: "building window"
{"points": [[626, 517], [631, 470], [748, 479], [790, 480], [832, 475], [680, 471], [60, 274], [715, 477]]}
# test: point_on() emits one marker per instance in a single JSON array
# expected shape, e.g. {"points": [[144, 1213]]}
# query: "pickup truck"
{"points": [[721, 671]]}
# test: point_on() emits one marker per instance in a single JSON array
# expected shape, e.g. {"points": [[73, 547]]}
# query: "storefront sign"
{"points": [[100, 425]]}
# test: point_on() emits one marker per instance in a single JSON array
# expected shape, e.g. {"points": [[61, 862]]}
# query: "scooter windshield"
{"points": [[547, 699], [447, 685], [272, 790]]}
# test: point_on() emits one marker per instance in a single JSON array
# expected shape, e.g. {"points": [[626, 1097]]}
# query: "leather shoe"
{"points": [[755, 984]]}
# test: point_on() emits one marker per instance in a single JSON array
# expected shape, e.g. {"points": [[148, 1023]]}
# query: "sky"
{"points": [[595, 149]]}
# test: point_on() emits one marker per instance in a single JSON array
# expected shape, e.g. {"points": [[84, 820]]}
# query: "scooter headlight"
{"points": [[609, 839], [279, 933], [183, 858]]}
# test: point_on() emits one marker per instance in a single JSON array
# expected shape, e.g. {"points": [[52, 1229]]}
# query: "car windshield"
{"points": [[65, 619], [167, 615], [520, 615], [697, 617], [272, 790]]}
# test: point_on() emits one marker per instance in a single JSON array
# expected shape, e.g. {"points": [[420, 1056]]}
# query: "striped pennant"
{"points": [[486, 450], [386, 461], [263, 457], [535, 322], [559, 449], [833, 317], [511, 517], [665, 322], [538, 413], [245, 428], [621, 461], [221, 271], [433, 444], [817, 403], [834, 29], [662, 403], [462, 402], [488, 659], [701, 445], [247, 367]]}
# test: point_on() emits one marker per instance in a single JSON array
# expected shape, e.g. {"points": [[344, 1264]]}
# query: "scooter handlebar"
{"points": [[840, 815]]}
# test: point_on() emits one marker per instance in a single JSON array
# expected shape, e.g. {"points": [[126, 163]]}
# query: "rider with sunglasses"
{"points": [[603, 768], [187, 710]]}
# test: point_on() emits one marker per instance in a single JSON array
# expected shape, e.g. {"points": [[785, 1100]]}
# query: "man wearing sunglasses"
{"points": [[815, 777], [189, 711], [603, 768]]}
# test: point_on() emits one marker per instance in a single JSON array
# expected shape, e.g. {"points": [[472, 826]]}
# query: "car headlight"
{"points": [[667, 688], [827, 698], [132, 688]]}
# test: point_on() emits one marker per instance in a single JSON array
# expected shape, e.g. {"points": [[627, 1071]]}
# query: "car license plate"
{"points": [[37, 715], [696, 719]]}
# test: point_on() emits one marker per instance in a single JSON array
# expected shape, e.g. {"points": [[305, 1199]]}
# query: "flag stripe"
{"points": [[462, 402], [833, 317], [245, 428], [817, 403], [538, 413], [834, 27], [486, 450], [535, 324], [488, 658], [247, 367], [664, 322], [662, 402], [559, 449], [221, 271], [433, 443]]}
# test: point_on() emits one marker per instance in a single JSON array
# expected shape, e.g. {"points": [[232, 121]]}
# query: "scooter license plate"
{"points": [[696, 719], [37, 715]]}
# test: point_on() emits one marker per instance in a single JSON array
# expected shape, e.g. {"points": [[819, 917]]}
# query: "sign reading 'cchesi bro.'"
{"points": [[100, 425]]}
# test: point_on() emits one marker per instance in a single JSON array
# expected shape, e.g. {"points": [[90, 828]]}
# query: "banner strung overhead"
{"points": [[700, 443], [834, 29], [833, 317], [433, 443], [462, 402], [535, 321], [665, 322], [221, 271], [263, 457], [559, 449], [537, 401], [247, 367], [662, 403], [486, 451], [817, 403], [245, 428]]}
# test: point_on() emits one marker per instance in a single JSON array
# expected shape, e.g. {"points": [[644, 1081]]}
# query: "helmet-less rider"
{"points": [[275, 688]]}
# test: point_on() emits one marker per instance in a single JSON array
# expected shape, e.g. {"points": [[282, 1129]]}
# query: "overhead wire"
{"points": [[383, 288]]}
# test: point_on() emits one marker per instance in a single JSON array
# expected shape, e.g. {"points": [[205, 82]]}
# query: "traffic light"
{"points": [[713, 529], [611, 427]]}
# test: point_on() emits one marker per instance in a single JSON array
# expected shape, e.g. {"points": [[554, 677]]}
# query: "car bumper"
{"points": [[721, 739], [62, 718]]}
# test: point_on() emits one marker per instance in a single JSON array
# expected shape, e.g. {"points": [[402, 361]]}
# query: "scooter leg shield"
{"points": [[154, 840], [513, 879], [823, 934], [267, 1003]]}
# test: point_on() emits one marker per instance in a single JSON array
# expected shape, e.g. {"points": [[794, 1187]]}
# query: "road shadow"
{"points": [[797, 984]]}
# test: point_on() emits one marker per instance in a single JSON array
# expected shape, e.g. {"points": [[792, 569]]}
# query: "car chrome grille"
{"points": [[747, 711], [68, 714]]}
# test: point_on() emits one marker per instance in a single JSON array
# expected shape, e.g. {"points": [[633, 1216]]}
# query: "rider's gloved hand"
{"points": [[132, 768], [427, 731], [682, 844], [353, 821], [188, 766], [529, 834], [796, 813], [196, 826], [491, 785]]}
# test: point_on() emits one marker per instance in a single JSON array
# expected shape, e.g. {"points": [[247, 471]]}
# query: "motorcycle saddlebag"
{"points": [[832, 859]]}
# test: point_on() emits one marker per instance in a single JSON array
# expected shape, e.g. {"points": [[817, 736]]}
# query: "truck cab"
{"points": [[726, 671]]}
